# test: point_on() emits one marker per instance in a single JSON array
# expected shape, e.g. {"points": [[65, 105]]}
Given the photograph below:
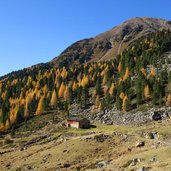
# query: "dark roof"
{"points": [[75, 119]]}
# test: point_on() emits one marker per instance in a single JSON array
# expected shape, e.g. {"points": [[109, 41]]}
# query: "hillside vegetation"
{"points": [[141, 74]]}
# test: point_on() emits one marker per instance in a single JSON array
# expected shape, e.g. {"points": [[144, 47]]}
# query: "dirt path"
{"points": [[107, 52], [120, 45]]}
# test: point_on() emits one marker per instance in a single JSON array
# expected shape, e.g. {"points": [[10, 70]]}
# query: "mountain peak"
{"points": [[109, 44]]}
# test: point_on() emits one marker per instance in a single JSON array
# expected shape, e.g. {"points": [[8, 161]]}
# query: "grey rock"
{"points": [[137, 160], [101, 164], [129, 148], [153, 159], [143, 168], [156, 116], [132, 164], [154, 135]]}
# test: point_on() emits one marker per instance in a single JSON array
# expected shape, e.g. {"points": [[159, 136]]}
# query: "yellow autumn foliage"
{"points": [[111, 90], [143, 71], [126, 75], [124, 103], [122, 95], [40, 108], [168, 100], [53, 101], [84, 81], [61, 90], [146, 91], [119, 67]]}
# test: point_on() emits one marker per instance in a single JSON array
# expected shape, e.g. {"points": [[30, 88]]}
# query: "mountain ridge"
{"points": [[109, 44], [104, 46]]}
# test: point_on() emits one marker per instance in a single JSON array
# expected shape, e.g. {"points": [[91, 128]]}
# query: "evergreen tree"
{"points": [[155, 93], [139, 89], [118, 103], [98, 87], [85, 96]]}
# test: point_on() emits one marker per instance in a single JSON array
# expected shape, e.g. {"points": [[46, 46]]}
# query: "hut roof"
{"points": [[76, 119]]}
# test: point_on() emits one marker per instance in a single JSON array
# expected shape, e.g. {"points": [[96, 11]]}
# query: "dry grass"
{"points": [[82, 152]]}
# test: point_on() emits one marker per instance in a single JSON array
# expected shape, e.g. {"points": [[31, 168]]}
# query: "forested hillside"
{"points": [[141, 74]]}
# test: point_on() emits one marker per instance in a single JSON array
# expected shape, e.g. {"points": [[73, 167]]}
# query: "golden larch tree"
{"points": [[101, 106], [40, 107], [12, 116], [74, 86], [119, 67], [1, 123], [146, 91], [126, 75], [122, 95], [143, 71], [168, 100], [152, 72], [29, 98], [124, 103], [66, 93], [84, 81], [105, 89], [105, 79], [111, 90], [64, 73], [1, 126], [61, 90], [53, 101], [7, 124]]}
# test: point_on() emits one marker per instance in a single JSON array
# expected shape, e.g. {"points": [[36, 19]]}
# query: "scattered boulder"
{"points": [[29, 167], [64, 151], [130, 149], [8, 165], [135, 161], [101, 164], [151, 135], [153, 159], [132, 164], [143, 168], [23, 148], [66, 165], [156, 116], [140, 144]]}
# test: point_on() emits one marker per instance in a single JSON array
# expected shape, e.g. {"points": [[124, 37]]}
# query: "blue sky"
{"points": [[35, 31]]}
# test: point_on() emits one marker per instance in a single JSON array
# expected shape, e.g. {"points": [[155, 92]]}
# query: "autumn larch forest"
{"points": [[135, 76]]}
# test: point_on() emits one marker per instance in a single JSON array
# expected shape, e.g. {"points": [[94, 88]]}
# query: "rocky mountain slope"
{"points": [[111, 43]]}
